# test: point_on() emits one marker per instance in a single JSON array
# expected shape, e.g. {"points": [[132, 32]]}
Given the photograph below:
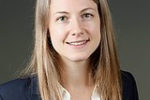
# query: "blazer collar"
{"points": [[34, 85]]}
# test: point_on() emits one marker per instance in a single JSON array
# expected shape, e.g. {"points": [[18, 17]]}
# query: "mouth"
{"points": [[78, 43]]}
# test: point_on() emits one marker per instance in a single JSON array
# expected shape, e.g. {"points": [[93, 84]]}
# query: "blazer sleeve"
{"points": [[130, 91], [17, 89]]}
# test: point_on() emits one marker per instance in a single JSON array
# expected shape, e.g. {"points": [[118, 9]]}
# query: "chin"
{"points": [[78, 58]]}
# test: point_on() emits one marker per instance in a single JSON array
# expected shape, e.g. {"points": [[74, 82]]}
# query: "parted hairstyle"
{"points": [[104, 62]]}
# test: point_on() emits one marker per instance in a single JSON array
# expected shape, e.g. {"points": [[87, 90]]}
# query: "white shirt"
{"points": [[66, 95]]}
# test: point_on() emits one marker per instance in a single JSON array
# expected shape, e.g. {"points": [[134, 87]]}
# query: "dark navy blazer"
{"points": [[27, 88]]}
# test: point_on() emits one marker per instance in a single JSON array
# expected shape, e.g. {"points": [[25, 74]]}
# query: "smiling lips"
{"points": [[78, 43]]}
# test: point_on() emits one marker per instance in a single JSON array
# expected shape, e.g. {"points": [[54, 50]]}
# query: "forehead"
{"points": [[69, 5]]}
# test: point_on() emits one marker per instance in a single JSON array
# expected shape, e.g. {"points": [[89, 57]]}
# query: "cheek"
{"points": [[93, 28], [57, 34]]}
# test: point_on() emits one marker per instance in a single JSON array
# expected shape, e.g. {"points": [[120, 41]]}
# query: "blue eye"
{"points": [[87, 16], [62, 19]]}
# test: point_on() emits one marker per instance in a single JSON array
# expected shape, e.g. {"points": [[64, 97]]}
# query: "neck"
{"points": [[76, 74]]}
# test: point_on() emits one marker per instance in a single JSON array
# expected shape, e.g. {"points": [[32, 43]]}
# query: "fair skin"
{"points": [[74, 27]]}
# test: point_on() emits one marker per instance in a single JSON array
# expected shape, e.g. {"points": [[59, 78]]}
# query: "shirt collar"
{"points": [[66, 94]]}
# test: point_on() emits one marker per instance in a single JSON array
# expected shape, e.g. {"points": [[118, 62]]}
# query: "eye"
{"points": [[87, 16], [62, 19]]}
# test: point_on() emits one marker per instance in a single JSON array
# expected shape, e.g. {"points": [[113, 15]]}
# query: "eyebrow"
{"points": [[64, 12], [87, 9]]}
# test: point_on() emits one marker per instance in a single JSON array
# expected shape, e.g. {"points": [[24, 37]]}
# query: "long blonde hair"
{"points": [[104, 61]]}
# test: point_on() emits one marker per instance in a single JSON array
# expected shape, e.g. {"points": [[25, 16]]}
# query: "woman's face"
{"points": [[74, 27]]}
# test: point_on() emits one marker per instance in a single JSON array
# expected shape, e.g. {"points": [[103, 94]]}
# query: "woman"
{"points": [[74, 56]]}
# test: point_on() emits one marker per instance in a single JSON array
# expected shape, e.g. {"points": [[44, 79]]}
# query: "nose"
{"points": [[76, 27]]}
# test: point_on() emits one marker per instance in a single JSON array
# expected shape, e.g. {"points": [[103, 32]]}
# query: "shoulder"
{"points": [[15, 89], [127, 77], [129, 86]]}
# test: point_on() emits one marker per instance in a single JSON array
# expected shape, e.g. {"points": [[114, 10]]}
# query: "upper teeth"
{"points": [[77, 43]]}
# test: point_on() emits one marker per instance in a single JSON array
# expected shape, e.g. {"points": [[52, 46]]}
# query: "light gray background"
{"points": [[132, 24]]}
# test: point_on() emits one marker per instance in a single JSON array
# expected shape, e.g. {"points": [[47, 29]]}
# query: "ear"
{"points": [[47, 22], [47, 27]]}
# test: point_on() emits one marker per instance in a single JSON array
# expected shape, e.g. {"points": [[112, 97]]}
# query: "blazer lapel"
{"points": [[35, 93]]}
